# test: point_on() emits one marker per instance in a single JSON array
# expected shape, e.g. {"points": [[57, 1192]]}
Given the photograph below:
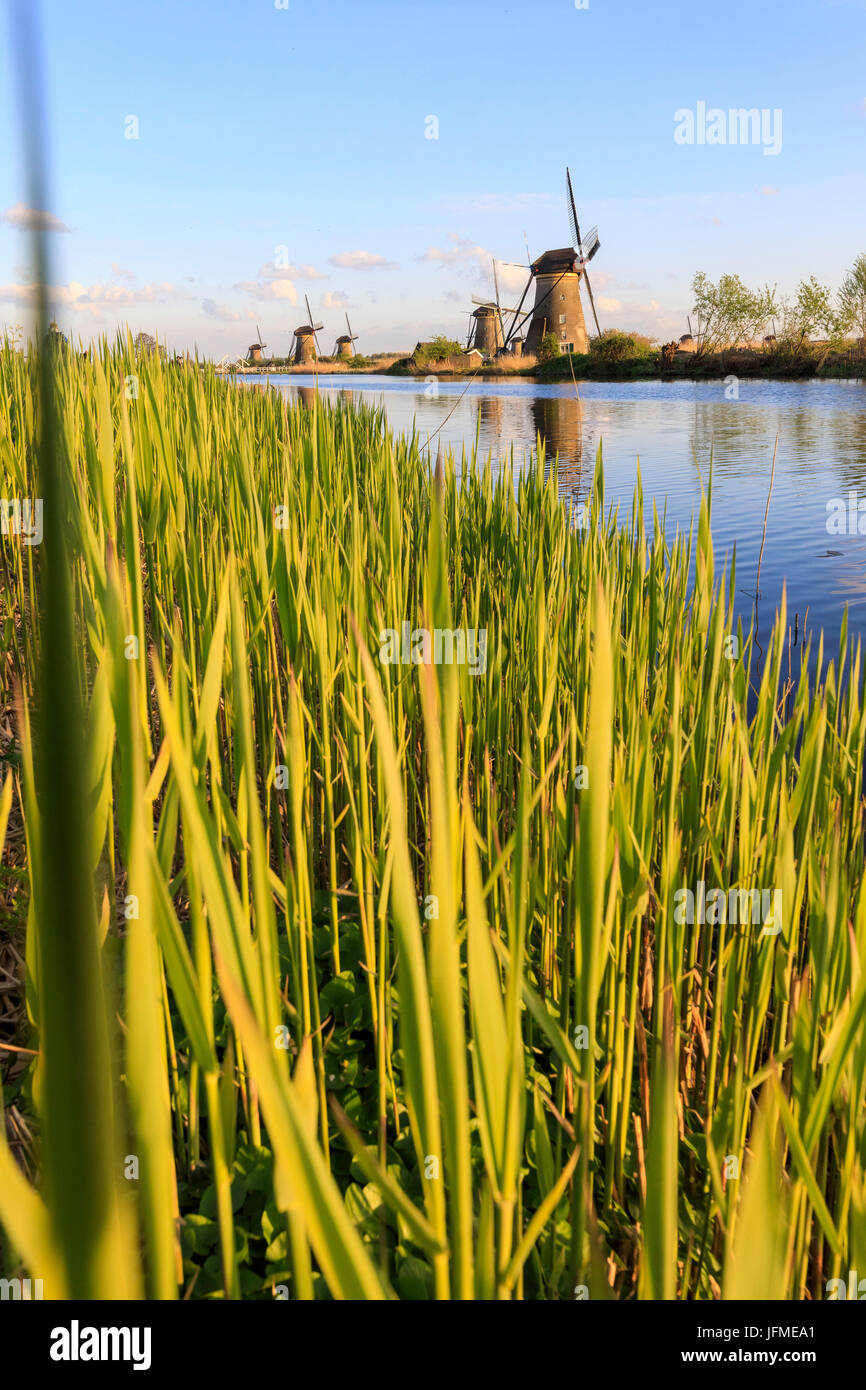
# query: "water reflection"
{"points": [[558, 422]]}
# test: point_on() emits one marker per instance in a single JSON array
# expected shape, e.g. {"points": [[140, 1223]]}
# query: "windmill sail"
{"points": [[585, 254]]}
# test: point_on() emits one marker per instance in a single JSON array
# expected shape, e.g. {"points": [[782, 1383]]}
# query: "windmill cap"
{"points": [[555, 262]]}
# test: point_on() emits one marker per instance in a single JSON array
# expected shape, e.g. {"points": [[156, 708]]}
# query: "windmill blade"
{"points": [[572, 211], [592, 302], [309, 312], [575, 227], [489, 304], [259, 331], [349, 326], [498, 307], [589, 247], [513, 329]]}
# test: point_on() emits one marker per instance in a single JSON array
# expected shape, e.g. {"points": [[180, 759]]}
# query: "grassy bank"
{"points": [[380, 981], [650, 366], [326, 366], [692, 367]]}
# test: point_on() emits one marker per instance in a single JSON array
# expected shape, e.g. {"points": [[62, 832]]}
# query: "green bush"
{"points": [[437, 350], [549, 348], [616, 346]]}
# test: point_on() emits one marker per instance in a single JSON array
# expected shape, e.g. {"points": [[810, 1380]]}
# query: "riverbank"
{"points": [[691, 367], [382, 362], [655, 367], [652, 366]]}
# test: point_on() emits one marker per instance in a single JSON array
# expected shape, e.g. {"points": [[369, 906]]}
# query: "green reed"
{"points": [[404, 1004]]}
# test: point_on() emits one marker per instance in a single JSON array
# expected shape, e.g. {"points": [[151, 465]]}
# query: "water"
{"points": [[818, 429]]}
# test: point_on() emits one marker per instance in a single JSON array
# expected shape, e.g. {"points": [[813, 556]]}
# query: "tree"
{"points": [[729, 312], [144, 342], [437, 350], [811, 314], [548, 348], [852, 299]]}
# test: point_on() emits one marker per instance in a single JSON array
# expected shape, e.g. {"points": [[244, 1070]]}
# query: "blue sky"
{"points": [[275, 145]]}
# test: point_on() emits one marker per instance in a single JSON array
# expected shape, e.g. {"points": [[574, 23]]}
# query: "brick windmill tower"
{"points": [[487, 326], [485, 330], [255, 350], [345, 346], [306, 342], [557, 276]]}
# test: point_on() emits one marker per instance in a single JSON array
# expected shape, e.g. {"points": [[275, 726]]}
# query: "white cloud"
{"points": [[631, 314], [768, 192], [213, 310], [361, 260], [272, 289], [28, 219], [123, 274], [335, 299], [512, 277], [278, 282], [269, 271], [462, 252], [91, 299]]}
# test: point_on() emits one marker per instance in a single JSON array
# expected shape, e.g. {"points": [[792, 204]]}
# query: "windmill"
{"points": [[487, 331], [344, 347], [255, 350], [557, 275], [485, 327], [306, 342]]}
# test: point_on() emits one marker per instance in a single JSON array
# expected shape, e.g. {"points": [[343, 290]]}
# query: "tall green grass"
{"points": [[387, 996]]}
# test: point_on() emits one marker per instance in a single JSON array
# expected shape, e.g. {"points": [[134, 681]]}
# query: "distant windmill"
{"points": [[557, 275], [344, 347], [485, 328], [306, 342], [255, 350], [487, 331]]}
